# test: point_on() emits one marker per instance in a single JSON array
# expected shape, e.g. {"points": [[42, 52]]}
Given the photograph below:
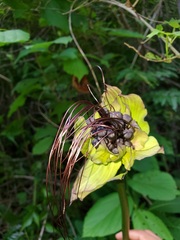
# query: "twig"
{"points": [[146, 32], [136, 15], [80, 49], [43, 227], [5, 78], [149, 59]]}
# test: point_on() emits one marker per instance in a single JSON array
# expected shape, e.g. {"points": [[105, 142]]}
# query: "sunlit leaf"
{"points": [[13, 36], [174, 23], [63, 40], [153, 33]]}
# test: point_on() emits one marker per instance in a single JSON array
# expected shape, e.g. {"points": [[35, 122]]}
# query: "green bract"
{"points": [[122, 138]]}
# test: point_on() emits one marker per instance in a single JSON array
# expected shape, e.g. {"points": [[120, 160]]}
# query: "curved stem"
{"points": [[124, 208]]}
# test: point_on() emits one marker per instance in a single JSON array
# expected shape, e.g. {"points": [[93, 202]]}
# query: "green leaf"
{"points": [[42, 146], [167, 206], [143, 219], [146, 165], [18, 102], [27, 221], [63, 40], [50, 229], [13, 129], [173, 224], [22, 197], [19, 8], [13, 36], [153, 33], [75, 67], [123, 33], [104, 218], [53, 14], [159, 27], [176, 34], [68, 54], [174, 23], [154, 184], [36, 218], [27, 85], [45, 132]]}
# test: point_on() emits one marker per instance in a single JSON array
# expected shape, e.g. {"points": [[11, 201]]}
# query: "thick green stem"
{"points": [[124, 208]]}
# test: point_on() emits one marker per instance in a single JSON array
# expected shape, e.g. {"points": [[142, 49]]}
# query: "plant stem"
{"points": [[124, 208]]}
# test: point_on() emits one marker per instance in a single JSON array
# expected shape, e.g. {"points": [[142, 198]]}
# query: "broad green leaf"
{"points": [[146, 165], [173, 224], [43, 46], [26, 86], [152, 56], [63, 40], [153, 33], [53, 14], [19, 7], [176, 34], [49, 228], [123, 33], [174, 23], [104, 218], [13, 36], [154, 184], [44, 132], [22, 197], [143, 219], [75, 67], [18, 102], [38, 47], [36, 218], [42, 146], [159, 27], [27, 221], [167, 206], [13, 129], [68, 54]]}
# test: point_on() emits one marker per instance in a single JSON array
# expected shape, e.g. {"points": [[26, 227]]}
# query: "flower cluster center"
{"points": [[115, 130]]}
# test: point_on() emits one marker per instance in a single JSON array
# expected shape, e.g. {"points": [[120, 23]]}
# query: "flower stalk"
{"points": [[125, 209]]}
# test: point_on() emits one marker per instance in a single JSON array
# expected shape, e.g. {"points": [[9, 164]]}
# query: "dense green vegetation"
{"points": [[43, 73]]}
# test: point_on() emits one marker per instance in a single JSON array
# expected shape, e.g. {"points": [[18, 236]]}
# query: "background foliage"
{"points": [[42, 74]]}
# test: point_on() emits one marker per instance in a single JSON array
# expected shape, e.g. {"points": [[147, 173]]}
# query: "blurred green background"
{"points": [[42, 73]]}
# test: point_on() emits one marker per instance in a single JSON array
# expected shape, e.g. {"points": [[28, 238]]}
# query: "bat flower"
{"points": [[109, 139], [113, 138]]}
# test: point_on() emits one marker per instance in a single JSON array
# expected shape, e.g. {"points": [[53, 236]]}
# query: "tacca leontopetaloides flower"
{"points": [[109, 139]]}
